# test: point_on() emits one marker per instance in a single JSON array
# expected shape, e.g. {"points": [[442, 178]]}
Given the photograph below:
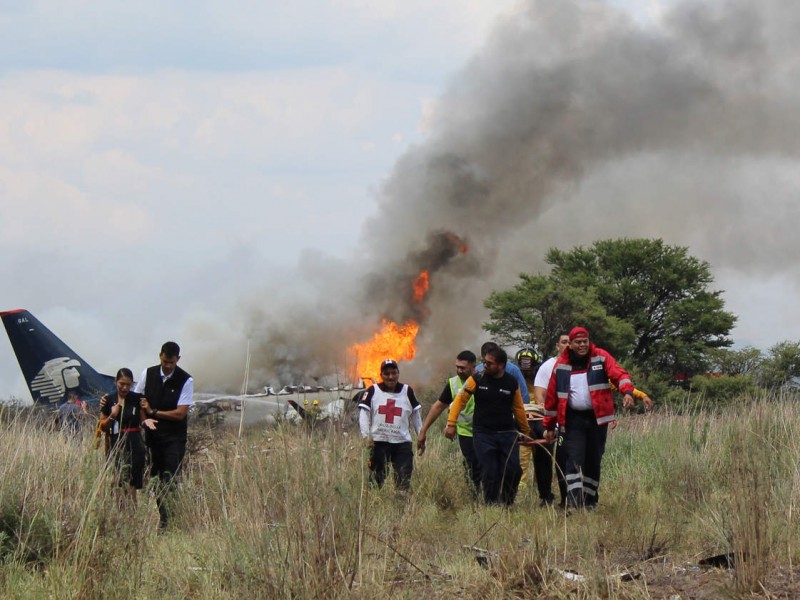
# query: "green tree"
{"points": [[745, 361], [537, 310], [781, 364], [722, 389], [644, 300]]}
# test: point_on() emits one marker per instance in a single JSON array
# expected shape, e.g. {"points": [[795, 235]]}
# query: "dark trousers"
{"points": [[583, 445], [498, 456], [166, 458], [130, 459], [471, 464], [561, 469], [543, 464], [401, 457]]}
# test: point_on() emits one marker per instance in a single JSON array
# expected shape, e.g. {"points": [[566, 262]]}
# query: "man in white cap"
{"points": [[387, 411]]}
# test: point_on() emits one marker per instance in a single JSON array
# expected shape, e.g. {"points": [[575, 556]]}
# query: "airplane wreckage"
{"points": [[52, 369]]}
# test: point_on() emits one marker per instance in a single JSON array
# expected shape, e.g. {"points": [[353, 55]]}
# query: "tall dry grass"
{"points": [[288, 513]]}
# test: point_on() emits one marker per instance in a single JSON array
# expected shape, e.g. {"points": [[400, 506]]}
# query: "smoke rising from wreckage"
{"points": [[576, 123], [573, 123]]}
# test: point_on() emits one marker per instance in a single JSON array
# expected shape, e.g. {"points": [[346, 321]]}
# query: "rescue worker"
{"points": [[528, 361], [316, 411], [387, 411], [580, 401], [465, 367], [498, 418], [534, 450], [511, 369], [312, 413]]}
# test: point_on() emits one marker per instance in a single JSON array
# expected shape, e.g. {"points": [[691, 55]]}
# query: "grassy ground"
{"points": [[287, 514]]}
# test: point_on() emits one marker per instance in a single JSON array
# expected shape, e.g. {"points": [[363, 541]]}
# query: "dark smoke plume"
{"points": [[578, 123], [390, 293]]}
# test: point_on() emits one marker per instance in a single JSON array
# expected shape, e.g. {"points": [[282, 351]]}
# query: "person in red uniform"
{"points": [[580, 400]]}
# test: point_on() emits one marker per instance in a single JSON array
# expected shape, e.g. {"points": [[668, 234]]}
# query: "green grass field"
{"points": [[287, 513]]}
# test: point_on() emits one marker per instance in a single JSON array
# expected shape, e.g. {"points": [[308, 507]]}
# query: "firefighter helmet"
{"points": [[527, 359]]}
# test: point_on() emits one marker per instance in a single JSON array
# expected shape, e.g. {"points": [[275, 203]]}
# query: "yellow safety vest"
{"points": [[464, 423]]}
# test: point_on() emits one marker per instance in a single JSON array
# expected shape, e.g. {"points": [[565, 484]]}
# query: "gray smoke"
{"points": [[575, 123]]}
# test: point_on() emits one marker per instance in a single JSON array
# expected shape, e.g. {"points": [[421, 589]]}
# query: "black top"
{"points": [[494, 401], [164, 395], [129, 418], [446, 397]]}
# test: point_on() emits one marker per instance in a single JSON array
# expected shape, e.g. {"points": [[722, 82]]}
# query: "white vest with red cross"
{"points": [[390, 415]]}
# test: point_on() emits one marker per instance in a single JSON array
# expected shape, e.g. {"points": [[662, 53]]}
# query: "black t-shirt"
{"points": [[494, 401], [446, 397]]}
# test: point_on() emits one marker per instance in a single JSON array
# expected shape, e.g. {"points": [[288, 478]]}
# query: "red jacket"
{"points": [[601, 368]]}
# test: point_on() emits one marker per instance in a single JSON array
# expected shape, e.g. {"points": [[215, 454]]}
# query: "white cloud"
{"points": [[191, 156], [190, 153], [235, 150]]}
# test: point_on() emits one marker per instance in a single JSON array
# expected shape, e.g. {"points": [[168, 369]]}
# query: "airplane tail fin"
{"points": [[50, 367]]}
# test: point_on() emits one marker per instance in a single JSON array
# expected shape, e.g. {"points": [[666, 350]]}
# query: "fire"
{"points": [[393, 340], [421, 285]]}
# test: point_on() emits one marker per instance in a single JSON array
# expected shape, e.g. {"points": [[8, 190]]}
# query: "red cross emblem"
{"points": [[390, 411]]}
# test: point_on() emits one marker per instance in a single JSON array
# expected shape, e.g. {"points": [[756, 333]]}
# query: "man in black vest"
{"points": [[168, 391]]}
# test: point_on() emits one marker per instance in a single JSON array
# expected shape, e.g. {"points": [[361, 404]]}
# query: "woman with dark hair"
{"points": [[123, 417]]}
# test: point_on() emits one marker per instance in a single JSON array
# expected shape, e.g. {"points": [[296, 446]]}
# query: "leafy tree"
{"points": [[644, 300], [723, 389], [536, 311], [782, 363], [659, 290], [745, 361]]}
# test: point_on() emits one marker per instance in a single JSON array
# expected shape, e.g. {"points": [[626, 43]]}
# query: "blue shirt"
{"points": [[513, 369]]}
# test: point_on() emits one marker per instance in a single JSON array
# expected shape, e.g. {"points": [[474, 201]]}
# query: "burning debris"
{"points": [[392, 341], [397, 340]]}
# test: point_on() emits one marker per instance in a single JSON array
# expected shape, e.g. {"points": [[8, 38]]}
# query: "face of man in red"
{"points": [[580, 346]]}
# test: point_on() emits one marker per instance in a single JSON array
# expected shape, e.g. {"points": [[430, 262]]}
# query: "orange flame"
{"points": [[421, 285], [392, 341]]}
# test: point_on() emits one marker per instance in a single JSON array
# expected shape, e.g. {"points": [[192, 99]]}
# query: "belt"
{"points": [[129, 430]]}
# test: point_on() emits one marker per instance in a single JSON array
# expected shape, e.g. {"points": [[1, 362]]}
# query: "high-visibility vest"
{"points": [[464, 423]]}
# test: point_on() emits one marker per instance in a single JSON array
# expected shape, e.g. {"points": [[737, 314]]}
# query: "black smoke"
{"points": [[576, 122]]}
